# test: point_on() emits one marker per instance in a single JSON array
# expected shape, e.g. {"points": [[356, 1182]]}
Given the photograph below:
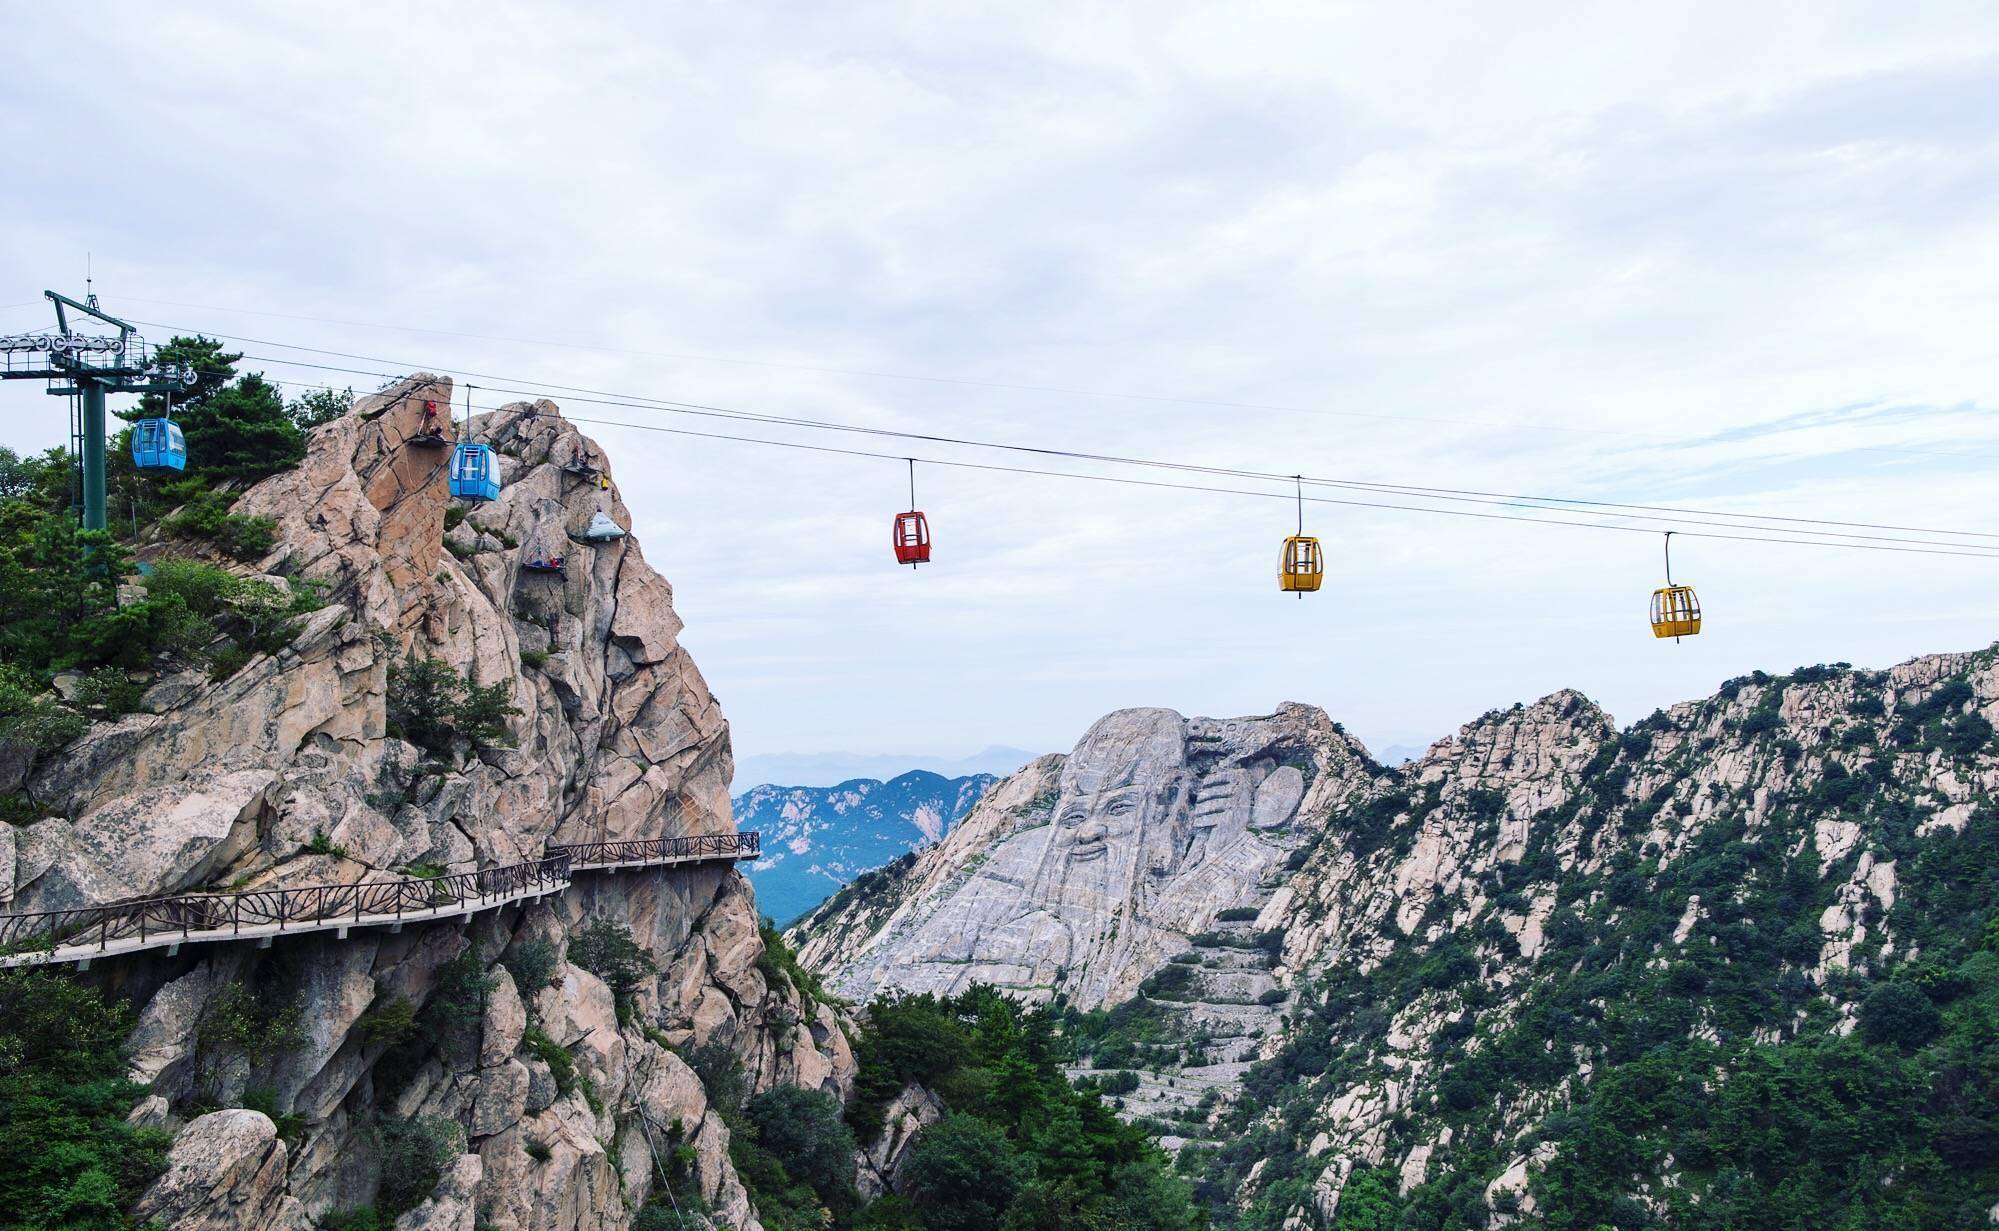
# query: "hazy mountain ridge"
{"points": [[816, 839], [1557, 973]]}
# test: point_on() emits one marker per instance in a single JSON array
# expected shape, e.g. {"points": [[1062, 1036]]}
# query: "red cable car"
{"points": [[911, 533], [912, 539]]}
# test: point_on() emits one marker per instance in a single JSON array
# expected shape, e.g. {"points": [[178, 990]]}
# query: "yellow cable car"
{"points": [[1303, 565], [1676, 612]]}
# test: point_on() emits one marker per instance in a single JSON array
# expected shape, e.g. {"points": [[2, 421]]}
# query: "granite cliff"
{"points": [[287, 1071], [1552, 973]]}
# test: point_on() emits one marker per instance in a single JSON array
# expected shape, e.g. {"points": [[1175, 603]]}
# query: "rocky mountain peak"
{"points": [[319, 761], [1080, 873]]}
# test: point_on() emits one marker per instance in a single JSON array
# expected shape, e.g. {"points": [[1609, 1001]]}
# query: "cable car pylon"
{"points": [[1676, 612], [911, 531], [1303, 565]]}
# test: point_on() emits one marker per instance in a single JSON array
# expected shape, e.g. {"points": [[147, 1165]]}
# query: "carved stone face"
{"points": [[1115, 815]]}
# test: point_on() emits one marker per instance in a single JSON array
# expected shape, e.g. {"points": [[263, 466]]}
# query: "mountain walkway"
{"points": [[87, 932]]}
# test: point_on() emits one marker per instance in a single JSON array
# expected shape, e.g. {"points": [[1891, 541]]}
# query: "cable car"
{"points": [[1676, 611], [910, 532], [1303, 566], [475, 469], [475, 473], [544, 564], [157, 444], [602, 529], [911, 538]]}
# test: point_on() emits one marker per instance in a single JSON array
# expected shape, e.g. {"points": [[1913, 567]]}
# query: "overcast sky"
{"points": [[1726, 256]]}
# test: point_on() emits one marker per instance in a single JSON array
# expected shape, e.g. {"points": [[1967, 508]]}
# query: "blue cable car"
{"points": [[157, 444], [475, 473]]}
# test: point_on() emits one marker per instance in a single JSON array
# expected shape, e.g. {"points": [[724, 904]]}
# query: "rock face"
{"points": [[1430, 969], [285, 774], [1082, 873]]}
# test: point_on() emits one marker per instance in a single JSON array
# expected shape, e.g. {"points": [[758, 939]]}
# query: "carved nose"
{"points": [[1090, 831]]}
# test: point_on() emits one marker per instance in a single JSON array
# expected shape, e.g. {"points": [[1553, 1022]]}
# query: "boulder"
{"points": [[225, 1172]]}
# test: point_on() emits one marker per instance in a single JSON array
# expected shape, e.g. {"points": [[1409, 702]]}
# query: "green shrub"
{"points": [[803, 1129], [781, 967], [67, 1158], [323, 845], [459, 1003], [721, 1074], [536, 659], [1270, 996], [1899, 1014], [318, 406], [430, 705], [391, 1025], [1237, 914], [108, 692], [606, 949], [453, 516], [44, 724], [532, 964], [561, 1065], [412, 1155], [963, 1174]]}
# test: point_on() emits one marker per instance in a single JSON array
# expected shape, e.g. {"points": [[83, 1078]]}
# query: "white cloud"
{"points": [[1729, 257]]}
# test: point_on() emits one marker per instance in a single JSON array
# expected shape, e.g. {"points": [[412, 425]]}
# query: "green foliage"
{"points": [[963, 1174], [431, 706], [44, 725], [236, 427], [392, 1024], [1714, 1055], [107, 692], [605, 948], [1237, 914], [412, 1155], [257, 1017], [205, 515], [459, 1002], [323, 845], [721, 1075], [534, 659], [1899, 1014], [804, 1130], [781, 967], [319, 406], [561, 1065], [1020, 1147], [67, 1158], [532, 964]]}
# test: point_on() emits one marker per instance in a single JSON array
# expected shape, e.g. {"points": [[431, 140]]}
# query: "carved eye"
{"points": [[1118, 807], [1075, 815]]}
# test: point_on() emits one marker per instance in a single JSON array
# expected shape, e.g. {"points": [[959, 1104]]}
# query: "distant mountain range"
{"points": [[817, 838], [825, 769]]}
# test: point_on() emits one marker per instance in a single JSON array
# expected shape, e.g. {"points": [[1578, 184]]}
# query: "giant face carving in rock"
{"points": [[1158, 823]]}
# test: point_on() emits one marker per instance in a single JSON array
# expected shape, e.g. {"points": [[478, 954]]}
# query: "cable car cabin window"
{"points": [[157, 444], [475, 473]]}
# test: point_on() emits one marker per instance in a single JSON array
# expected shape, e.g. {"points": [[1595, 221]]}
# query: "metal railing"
{"points": [[691, 848], [157, 922], [212, 916]]}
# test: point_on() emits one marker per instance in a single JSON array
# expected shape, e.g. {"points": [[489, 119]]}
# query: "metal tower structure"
{"points": [[88, 367]]}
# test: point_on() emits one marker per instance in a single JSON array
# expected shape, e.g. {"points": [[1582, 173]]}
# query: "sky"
{"points": [[1714, 256]]}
